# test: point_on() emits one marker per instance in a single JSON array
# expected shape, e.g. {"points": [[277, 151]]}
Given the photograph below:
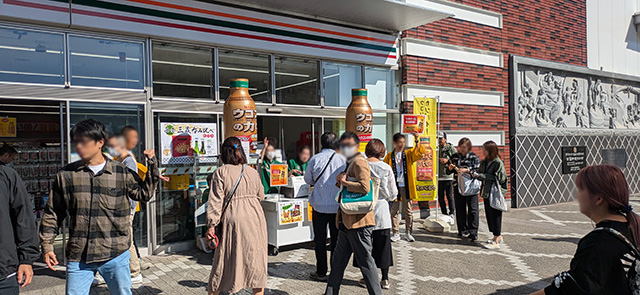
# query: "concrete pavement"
{"points": [[539, 242]]}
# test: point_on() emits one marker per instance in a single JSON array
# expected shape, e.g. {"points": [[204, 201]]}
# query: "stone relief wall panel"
{"points": [[556, 99]]}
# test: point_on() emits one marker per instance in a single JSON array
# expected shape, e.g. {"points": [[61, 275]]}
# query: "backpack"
{"points": [[630, 261], [358, 203]]}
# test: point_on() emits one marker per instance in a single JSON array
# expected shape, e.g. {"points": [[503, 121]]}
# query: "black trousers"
{"points": [[9, 286], [467, 215], [445, 195], [494, 218], [320, 222]]}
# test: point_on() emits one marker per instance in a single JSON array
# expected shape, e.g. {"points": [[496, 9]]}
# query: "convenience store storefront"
{"points": [[151, 63]]}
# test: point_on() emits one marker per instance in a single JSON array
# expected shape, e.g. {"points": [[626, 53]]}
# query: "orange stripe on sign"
{"points": [[252, 19]]}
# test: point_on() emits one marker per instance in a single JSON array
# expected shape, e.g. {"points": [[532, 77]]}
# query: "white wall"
{"points": [[613, 44]]}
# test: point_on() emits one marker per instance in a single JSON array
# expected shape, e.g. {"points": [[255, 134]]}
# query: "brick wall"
{"points": [[553, 30]]}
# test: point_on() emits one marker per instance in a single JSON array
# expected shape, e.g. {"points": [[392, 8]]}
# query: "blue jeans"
{"points": [[115, 273]]}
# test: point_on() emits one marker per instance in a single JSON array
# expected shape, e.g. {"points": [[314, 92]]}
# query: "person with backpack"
{"points": [[492, 173], [237, 225], [354, 229], [321, 173], [606, 260]]}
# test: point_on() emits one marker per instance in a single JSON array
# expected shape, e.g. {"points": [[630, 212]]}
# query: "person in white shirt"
{"points": [[321, 174]]}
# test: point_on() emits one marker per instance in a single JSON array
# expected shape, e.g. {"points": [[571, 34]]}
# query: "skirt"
{"points": [[381, 252]]}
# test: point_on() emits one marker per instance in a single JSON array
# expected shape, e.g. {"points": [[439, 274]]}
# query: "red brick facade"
{"points": [[553, 30]]}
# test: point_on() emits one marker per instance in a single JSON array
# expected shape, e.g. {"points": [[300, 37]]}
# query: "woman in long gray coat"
{"points": [[240, 261]]}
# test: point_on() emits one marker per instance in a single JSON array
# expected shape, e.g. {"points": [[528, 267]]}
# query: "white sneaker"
{"points": [[453, 219], [98, 280], [395, 237], [410, 238], [137, 279], [492, 245]]}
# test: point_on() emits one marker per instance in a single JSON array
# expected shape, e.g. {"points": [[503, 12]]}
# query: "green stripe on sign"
{"points": [[226, 24]]}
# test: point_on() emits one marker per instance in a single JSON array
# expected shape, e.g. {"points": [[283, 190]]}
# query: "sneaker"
{"points": [[98, 280], [315, 276], [395, 237], [473, 238], [453, 219], [492, 245], [362, 283], [137, 279], [410, 238], [385, 284]]}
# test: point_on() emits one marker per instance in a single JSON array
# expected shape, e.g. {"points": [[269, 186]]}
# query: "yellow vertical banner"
{"points": [[427, 166]]}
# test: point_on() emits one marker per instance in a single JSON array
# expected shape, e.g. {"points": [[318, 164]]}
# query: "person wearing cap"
{"points": [[445, 180]]}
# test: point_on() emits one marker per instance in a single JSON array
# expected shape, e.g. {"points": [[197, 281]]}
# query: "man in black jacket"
{"points": [[19, 238]]}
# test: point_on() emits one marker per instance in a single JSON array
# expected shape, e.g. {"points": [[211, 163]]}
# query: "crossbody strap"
{"points": [[622, 238], [324, 169], [227, 199]]}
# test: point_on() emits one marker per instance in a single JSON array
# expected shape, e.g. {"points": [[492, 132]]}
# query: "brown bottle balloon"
{"points": [[360, 117], [240, 116]]}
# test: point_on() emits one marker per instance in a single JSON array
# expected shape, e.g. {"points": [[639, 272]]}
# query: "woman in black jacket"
{"points": [[491, 173], [604, 259], [467, 216]]}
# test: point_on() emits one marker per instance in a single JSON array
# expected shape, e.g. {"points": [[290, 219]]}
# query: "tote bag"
{"points": [[496, 198], [358, 203], [467, 185]]}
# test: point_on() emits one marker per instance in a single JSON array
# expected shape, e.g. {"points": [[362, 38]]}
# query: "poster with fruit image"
{"points": [[426, 182], [290, 212], [181, 143]]}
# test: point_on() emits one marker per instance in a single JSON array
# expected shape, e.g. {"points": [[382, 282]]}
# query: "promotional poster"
{"points": [[426, 182], [279, 174], [181, 142], [290, 212]]}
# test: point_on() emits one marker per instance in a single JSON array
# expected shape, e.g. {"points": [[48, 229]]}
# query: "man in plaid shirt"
{"points": [[94, 193]]}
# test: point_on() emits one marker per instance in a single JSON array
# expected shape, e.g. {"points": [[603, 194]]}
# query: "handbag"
{"points": [[359, 203], [496, 198], [218, 232], [467, 185]]}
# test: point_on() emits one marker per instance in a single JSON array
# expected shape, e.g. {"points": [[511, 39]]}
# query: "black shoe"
{"points": [[473, 238], [315, 276]]}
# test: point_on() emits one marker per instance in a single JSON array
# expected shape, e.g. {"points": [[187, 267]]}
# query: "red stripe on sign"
{"points": [[36, 5]]}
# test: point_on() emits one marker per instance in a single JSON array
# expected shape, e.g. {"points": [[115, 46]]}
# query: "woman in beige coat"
{"points": [[240, 261]]}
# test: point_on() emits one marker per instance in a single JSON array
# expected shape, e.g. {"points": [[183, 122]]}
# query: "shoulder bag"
{"points": [[225, 205], [358, 203]]}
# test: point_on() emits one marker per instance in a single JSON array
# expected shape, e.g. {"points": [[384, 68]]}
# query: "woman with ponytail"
{"points": [[604, 258]]}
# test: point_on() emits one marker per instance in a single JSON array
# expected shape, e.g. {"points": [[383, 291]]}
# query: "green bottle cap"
{"points": [[238, 83], [358, 92]]}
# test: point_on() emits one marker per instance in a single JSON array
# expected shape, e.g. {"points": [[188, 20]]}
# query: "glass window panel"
{"points": [[296, 81], [381, 84], [338, 80], [105, 63], [31, 57], [255, 67], [182, 71]]}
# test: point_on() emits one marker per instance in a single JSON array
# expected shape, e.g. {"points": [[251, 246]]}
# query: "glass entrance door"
{"points": [[115, 117]]}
